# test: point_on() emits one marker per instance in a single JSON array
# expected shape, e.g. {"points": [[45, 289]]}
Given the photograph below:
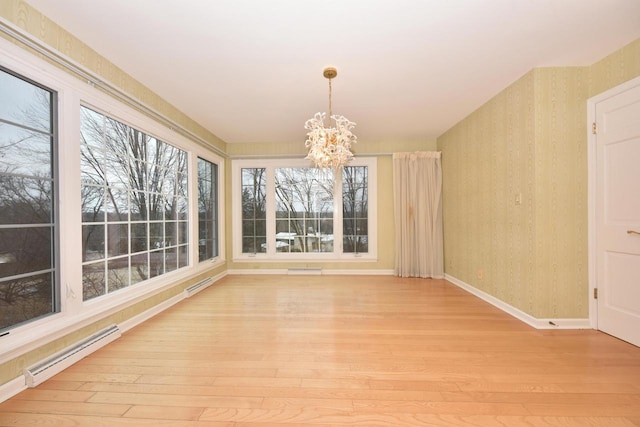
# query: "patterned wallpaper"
{"points": [[528, 143]]}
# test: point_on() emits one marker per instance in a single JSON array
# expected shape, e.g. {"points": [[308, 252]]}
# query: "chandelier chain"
{"points": [[330, 113]]}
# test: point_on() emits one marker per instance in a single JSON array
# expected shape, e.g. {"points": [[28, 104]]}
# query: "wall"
{"points": [[529, 140], [386, 233], [21, 15]]}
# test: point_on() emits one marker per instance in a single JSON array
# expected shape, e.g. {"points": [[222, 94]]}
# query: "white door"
{"points": [[618, 215]]}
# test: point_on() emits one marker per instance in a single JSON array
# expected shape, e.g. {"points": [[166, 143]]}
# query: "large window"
{"points": [[134, 205], [304, 210], [294, 211], [207, 210], [27, 228], [254, 210], [355, 209]]}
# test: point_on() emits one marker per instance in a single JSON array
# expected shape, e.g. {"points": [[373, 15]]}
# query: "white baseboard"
{"points": [[519, 314], [280, 271], [11, 388]]}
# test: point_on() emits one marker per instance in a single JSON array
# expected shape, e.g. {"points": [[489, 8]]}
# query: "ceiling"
{"points": [[250, 71]]}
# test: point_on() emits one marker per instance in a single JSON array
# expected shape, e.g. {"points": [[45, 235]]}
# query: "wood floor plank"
{"points": [[322, 351]]}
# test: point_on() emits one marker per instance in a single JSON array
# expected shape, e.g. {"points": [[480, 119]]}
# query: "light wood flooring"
{"points": [[335, 351]]}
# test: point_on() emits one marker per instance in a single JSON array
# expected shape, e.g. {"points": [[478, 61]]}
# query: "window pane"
{"points": [[254, 215], [24, 103], [139, 237], [304, 199], [27, 271], [26, 298], [93, 204], [183, 256], [25, 200], [93, 280], [207, 210], [137, 195], [117, 273], [156, 263], [138, 206], [25, 151], [93, 247], [355, 209], [118, 239], [25, 250], [117, 204], [139, 268], [171, 259]]}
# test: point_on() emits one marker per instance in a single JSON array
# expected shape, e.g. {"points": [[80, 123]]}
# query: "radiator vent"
{"points": [[194, 289], [55, 364], [304, 271]]}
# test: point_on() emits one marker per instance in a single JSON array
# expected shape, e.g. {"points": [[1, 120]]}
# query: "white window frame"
{"points": [[74, 312], [219, 161], [271, 255]]}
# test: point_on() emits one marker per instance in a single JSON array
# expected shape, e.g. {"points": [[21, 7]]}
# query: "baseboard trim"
{"points": [[279, 271], [534, 322], [11, 388]]}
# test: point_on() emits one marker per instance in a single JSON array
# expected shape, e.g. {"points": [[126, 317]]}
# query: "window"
{"points": [[304, 210], [355, 206], [290, 210], [207, 210], [134, 205], [27, 182], [254, 210]]}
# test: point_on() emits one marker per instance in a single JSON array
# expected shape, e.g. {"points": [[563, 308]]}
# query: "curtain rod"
{"points": [[94, 80]]}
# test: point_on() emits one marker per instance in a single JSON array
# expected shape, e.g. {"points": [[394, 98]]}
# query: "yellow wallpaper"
{"points": [[529, 140], [617, 68], [488, 161]]}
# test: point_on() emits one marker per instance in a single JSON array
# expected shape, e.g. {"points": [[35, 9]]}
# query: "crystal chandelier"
{"points": [[329, 146]]}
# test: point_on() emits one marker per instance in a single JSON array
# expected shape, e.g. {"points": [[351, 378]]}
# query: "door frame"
{"points": [[592, 175]]}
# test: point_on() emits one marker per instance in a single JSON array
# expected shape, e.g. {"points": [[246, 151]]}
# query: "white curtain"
{"points": [[417, 188]]}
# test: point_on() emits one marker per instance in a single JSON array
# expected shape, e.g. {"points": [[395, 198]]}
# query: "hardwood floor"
{"points": [[335, 351]]}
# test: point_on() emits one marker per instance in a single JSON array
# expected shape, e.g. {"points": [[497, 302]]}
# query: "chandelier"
{"points": [[329, 146]]}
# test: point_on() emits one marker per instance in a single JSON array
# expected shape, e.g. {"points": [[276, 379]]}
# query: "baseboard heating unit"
{"points": [[195, 288], [55, 364]]}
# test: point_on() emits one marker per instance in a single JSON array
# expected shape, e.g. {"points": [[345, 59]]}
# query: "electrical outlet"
{"points": [[480, 274]]}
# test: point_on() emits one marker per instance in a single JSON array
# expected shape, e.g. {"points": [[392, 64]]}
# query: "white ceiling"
{"points": [[251, 70]]}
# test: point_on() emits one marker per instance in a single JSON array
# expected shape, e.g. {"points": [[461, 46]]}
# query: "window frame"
{"points": [[74, 313], [107, 224], [215, 160], [271, 255], [54, 246]]}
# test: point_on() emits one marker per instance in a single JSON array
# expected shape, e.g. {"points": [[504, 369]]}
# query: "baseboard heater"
{"points": [[193, 289], [55, 364], [305, 271]]}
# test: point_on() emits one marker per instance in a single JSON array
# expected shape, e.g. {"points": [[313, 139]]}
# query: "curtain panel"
{"points": [[417, 185]]}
